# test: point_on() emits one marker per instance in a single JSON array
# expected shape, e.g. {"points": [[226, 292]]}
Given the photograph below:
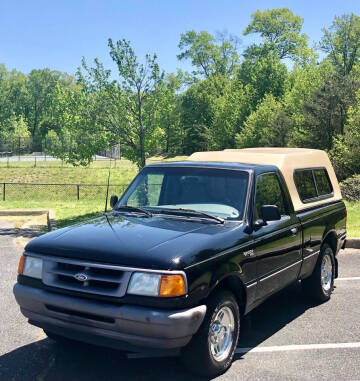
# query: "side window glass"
{"points": [[304, 181], [322, 181], [148, 191], [268, 192]]}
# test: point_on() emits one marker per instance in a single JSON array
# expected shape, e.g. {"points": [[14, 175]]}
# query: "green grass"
{"points": [[353, 220], [122, 171], [62, 200], [52, 172]]}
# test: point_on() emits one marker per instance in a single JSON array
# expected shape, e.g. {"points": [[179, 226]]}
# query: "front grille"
{"points": [[86, 277]]}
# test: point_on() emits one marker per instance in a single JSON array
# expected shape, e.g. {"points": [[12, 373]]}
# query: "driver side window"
{"points": [[268, 192]]}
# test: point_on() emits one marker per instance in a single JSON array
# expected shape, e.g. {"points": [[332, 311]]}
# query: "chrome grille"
{"points": [[85, 277]]}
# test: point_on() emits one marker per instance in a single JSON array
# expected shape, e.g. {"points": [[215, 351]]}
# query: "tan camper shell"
{"points": [[288, 160]]}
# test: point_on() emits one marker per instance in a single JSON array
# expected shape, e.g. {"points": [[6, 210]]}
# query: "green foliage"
{"points": [[199, 105], [268, 125], [125, 109], [41, 95], [325, 113], [346, 148], [170, 129], [231, 110], [303, 81], [265, 75], [350, 188], [273, 94], [13, 128], [342, 42], [209, 55], [281, 33]]}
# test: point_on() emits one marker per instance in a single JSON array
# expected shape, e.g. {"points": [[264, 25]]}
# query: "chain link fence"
{"points": [[28, 151], [57, 192]]}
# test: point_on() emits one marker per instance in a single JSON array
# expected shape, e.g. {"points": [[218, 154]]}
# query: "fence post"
{"points": [[4, 191], [78, 191]]}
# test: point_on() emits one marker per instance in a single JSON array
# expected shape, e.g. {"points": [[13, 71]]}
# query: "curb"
{"points": [[50, 215], [352, 243]]}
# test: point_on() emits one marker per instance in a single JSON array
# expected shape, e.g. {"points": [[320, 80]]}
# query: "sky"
{"points": [[57, 34]]}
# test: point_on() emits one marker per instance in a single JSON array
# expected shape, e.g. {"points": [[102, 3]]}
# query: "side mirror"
{"points": [[270, 213], [113, 200]]}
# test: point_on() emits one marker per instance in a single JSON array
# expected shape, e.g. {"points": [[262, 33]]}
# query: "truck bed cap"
{"points": [[286, 159]]}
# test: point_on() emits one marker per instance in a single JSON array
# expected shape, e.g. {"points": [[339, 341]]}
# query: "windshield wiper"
{"points": [[135, 209], [194, 212]]}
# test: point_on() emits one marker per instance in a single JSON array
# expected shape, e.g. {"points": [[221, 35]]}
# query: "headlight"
{"points": [[30, 266], [153, 284], [144, 284]]}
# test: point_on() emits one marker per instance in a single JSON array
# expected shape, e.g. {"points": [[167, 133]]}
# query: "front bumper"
{"points": [[125, 326]]}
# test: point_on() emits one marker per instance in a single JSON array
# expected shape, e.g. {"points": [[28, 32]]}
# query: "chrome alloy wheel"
{"points": [[326, 272], [221, 334]]}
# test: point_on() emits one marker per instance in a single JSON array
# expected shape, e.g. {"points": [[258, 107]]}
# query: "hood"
{"points": [[154, 242]]}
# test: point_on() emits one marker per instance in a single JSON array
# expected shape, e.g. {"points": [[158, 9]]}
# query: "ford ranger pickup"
{"points": [[188, 250]]}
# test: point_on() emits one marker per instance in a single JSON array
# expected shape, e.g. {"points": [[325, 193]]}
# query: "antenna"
{"points": [[107, 189]]}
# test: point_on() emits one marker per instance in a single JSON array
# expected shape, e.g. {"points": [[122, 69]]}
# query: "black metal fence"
{"points": [[57, 192]]}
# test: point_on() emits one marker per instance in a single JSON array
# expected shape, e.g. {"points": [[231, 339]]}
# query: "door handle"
{"points": [[293, 231]]}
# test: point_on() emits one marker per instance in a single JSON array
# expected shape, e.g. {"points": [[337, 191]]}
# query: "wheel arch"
{"points": [[332, 240], [233, 283]]}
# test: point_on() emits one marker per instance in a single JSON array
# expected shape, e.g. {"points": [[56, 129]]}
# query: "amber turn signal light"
{"points": [[21, 264], [172, 285]]}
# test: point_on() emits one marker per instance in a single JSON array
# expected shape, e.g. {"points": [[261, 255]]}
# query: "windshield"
{"points": [[217, 192]]}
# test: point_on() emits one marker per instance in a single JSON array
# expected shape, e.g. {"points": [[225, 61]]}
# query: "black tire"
{"points": [[197, 356], [313, 286]]}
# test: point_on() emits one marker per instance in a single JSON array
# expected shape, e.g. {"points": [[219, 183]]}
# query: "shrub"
{"points": [[350, 188]]}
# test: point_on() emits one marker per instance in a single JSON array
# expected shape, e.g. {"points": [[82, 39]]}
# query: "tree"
{"points": [[265, 75], [75, 135], [210, 55], [126, 108], [342, 42], [345, 153], [230, 112], [12, 94], [281, 33], [268, 125], [168, 117], [325, 113], [41, 86], [303, 81], [198, 107]]}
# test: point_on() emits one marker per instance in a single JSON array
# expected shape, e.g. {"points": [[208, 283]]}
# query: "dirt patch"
{"points": [[25, 228]]}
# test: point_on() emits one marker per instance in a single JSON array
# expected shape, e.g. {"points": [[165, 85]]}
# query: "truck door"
{"points": [[277, 244]]}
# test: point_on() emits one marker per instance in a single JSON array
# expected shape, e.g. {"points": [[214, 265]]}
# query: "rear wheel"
{"points": [[212, 349], [320, 284]]}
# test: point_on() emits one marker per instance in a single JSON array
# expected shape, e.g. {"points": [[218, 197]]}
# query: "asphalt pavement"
{"points": [[287, 338]]}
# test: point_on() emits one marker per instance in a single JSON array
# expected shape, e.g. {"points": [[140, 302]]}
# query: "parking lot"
{"points": [[287, 338]]}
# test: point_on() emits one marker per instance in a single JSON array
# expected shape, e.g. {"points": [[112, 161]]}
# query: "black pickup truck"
{"points": [[189, 249]]}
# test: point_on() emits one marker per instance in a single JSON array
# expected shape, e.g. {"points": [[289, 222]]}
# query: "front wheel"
{"points": [[320, 284], [212, 349]]}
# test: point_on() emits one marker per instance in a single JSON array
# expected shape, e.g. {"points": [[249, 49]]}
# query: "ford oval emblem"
{"points": [[81, 277]]}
